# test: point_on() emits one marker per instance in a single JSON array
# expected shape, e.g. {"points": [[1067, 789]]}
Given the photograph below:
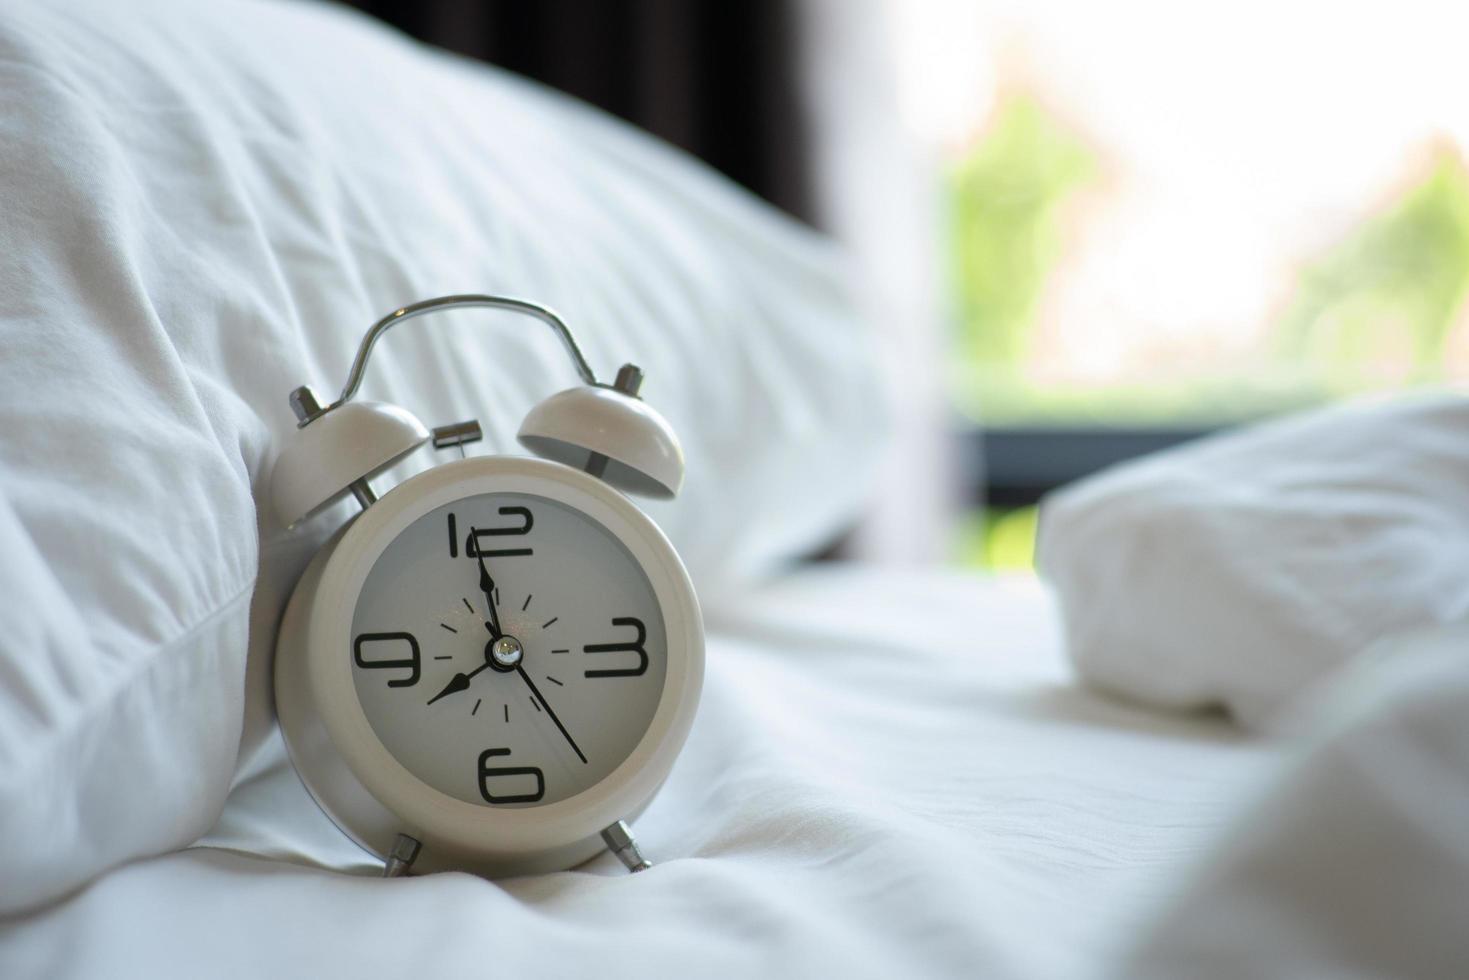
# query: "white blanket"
{"points": [[892, 774]]}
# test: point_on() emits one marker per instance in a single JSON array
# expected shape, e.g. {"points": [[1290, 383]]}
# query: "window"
{"points": [[1164, 221]]}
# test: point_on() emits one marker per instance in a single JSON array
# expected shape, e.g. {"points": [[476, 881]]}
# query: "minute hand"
{"points": [[545, 704], [487, 586]]}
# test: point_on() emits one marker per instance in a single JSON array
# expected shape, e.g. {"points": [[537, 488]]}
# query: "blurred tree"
{"points": [[1007, 193], [1379, 307]]}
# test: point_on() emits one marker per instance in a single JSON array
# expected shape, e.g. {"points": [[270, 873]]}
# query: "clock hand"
{"points": [[487, 586], [545, 704], [458, 682]]}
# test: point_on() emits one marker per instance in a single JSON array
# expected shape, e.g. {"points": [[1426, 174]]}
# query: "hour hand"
{"points": [[457, 683]]}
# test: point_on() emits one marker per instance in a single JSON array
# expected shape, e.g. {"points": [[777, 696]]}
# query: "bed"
{"points": [[892, 773]]}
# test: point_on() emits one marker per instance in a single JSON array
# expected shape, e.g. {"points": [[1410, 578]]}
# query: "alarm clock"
{"points": [[493, 665]]}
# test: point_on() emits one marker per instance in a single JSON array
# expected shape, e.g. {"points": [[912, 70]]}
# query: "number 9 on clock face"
{"points": [[508, 650]]}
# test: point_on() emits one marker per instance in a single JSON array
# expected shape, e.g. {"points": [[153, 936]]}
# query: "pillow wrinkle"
{"points": [[45, 749]]}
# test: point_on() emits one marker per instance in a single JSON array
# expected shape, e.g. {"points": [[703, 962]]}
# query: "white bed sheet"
{"points": [[893, 773]]}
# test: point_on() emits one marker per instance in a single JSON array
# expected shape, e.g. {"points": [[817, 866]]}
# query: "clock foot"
{"points": [[620, 841], [401, 857]]}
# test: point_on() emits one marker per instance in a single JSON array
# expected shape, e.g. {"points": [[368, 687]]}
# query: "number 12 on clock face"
{"points": [[474, 540]]}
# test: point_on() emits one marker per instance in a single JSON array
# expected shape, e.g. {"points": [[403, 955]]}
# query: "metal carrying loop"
{"points": [[456, 302]]}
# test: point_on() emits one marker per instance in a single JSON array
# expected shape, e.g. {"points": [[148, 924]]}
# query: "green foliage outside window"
{"points": [[1387, 297], [1007, 197], [1001, 540], [1378, 310]]}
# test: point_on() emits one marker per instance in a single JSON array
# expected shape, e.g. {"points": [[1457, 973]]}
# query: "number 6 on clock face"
{"points": [[486, 773]]}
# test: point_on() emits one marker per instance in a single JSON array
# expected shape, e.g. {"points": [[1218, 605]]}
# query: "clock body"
{"points": [[401, 717]]}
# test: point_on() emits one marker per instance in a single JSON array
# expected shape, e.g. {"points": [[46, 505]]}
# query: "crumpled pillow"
{"points": [[1241, 570]]}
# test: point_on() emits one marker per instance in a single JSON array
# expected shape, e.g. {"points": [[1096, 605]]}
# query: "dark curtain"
{"points": [[715, 78]]}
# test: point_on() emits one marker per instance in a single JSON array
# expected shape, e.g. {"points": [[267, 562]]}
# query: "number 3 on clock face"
{"points": [[508, 650]]}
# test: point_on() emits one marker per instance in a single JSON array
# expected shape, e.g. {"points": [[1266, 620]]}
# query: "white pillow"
{"points": [[1241, 570], [205, 205]]}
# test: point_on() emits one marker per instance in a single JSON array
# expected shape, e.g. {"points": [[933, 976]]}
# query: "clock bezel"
{"points": [[453, 830]]}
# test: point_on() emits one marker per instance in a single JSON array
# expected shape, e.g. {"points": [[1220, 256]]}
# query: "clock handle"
{"points": [[458, 301]]}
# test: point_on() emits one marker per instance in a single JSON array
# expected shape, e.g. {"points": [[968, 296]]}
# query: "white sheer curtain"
{"points": [[878, 191]]}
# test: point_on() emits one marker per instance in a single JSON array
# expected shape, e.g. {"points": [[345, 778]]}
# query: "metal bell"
{"points": [[610, 433], [337, 452]]}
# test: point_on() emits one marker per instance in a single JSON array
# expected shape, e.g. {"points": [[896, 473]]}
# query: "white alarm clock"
{"points": [[492, 667]]}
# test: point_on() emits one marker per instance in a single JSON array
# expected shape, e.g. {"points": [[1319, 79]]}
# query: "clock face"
{"points": [[508, 650]]}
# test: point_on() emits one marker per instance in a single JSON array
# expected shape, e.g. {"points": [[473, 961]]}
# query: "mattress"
{"points": [[893, 773]]}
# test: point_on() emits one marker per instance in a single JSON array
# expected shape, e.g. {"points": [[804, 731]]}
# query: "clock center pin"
{"points": [[505, 653]]}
